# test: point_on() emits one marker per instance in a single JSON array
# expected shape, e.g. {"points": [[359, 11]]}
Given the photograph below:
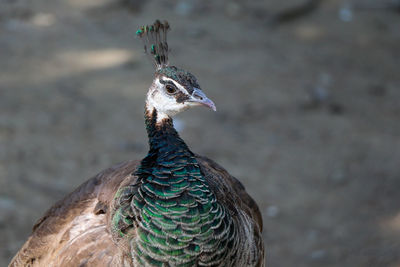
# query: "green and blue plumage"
{"points": [[171, 212]]}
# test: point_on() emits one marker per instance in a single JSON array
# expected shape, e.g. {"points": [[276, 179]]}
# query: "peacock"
{"points": [[172, 208]]}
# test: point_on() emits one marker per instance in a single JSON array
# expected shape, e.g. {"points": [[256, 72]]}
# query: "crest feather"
{"points": [[154, 38]]}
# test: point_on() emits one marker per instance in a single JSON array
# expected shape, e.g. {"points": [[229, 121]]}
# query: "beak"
{"points": [[199, 98]]}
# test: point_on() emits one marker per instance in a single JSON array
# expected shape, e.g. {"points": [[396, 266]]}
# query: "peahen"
{"points": [[173, 208]]}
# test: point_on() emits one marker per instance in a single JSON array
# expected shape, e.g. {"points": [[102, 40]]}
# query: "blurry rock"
{"points": [[43, 19], [190, 7], [184, 8], [318, 254], [272, 211], [319, 96], [338, 176], [320, 93], [346, 12], [309, 32]]}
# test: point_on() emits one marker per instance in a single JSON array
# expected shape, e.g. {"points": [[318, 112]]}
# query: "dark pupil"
{"points": [[170, 89]]}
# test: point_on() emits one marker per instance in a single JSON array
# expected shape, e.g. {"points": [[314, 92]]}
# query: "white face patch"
{"points": [[166, 105]]}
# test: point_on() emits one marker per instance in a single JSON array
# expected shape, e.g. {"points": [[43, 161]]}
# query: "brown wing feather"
{"points": [[75, 227], [231, 193], [74, 232]]}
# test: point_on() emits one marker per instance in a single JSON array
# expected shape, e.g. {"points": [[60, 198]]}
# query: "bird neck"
{"points": [[161, 132]]}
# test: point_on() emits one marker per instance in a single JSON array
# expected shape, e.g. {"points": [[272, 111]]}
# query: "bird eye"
{"points": [[170, 89]]}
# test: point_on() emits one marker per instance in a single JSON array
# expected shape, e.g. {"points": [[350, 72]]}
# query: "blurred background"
{"points": [[308, 110]]}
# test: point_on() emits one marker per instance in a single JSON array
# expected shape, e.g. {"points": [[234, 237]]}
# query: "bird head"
{"points": [[173, 90]]}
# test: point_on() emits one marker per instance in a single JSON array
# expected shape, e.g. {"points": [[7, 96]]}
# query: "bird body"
{"points": [[173, 208]]}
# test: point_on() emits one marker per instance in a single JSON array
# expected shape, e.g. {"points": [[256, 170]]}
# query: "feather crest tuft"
{"points": [[154, 38]]}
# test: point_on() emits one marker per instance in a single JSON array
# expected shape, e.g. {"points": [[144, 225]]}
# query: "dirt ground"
{"points": [[308, 110]]}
